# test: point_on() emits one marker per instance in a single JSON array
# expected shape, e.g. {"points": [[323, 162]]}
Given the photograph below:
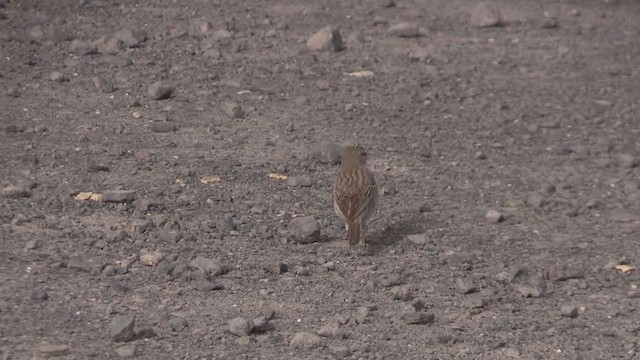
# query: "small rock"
{"points": [[626, 161], [240, 326], [54, 350], [163, 126], [493, 216], [207, 286], [131, 38], [57, 76], [209, 266], [199, 28], [465, 287], [569, 311], [108, 45], [417, 239], [81, 48], [39, 295], [418, 304], [404, 29], [15, 192], [305, 230], [301, 271], [121, 328], [327, 153], [326, 39], [32, 244], [401, 293], [304, 340], [329, 265], [118, 196], [623, 216], [339, 351], [535, 200], [151, 258], [549, 22], [103, 85], [528, 291], [261, 323], [485, 15], [160, 91], [178, 323], [13, 91], [332, 329], [574, 12], [418, 318], [555, 273], [276, 268], [232, 109], [299, 181], [355, 37], [419, 54], [127, 351]]}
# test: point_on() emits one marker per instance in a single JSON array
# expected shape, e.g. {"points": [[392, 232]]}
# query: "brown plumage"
{"points": [[355, 193]]}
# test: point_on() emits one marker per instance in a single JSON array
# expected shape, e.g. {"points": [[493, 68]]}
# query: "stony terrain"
{"points": [[167, 170]]}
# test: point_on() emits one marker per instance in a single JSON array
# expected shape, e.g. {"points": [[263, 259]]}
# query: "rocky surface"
{"points": [[167, 171]]}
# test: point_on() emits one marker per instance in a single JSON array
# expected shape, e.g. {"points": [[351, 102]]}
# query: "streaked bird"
{"points": [[355, 193]]}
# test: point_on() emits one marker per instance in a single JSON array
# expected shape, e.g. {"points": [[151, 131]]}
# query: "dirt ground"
{"points": [[506, 158]]}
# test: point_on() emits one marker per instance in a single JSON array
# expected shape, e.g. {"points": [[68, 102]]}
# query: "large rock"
{"points": [[305, 230], [326, 39]]}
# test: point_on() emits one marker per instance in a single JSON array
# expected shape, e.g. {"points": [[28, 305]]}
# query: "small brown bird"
{"points": [[355, 193]]}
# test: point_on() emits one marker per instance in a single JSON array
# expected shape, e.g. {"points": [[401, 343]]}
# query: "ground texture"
{"points": [[505, 157]]}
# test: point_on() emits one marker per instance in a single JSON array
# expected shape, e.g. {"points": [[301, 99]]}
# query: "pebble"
{"points": [[528, 291], [299, 181], [555, 273], [160, 91], [207, 286], [568, 310], [402, 293], [549, 21], [232, 109], [151, 258], [57, 76], [355, 37], [626, 161], [305, 341], [304, 230], [339, 351], [103, 85], [276, 268], [132, 38], [32, 244], [163, 126], [108, 45], [327, 153], [127, 351], [121, 328], [199, 28], [326, 39], [535, 200], [54, 350], [418, 318], [118, 196], [465, 286], [240, 327], [417, 239], [81, 48], [39, 295], [404, 29], [419, 54], [332, 329], [493, 216], [485, 15], [15, 192], [209, 266]]}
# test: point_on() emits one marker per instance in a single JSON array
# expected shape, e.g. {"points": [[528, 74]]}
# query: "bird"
{"points": [[355, 193]]}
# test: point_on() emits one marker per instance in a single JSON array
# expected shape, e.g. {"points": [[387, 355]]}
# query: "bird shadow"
{"points": [[394, 233]]}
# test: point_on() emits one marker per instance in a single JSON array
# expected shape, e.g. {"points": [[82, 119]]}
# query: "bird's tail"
{"points": [[354, 233]]}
